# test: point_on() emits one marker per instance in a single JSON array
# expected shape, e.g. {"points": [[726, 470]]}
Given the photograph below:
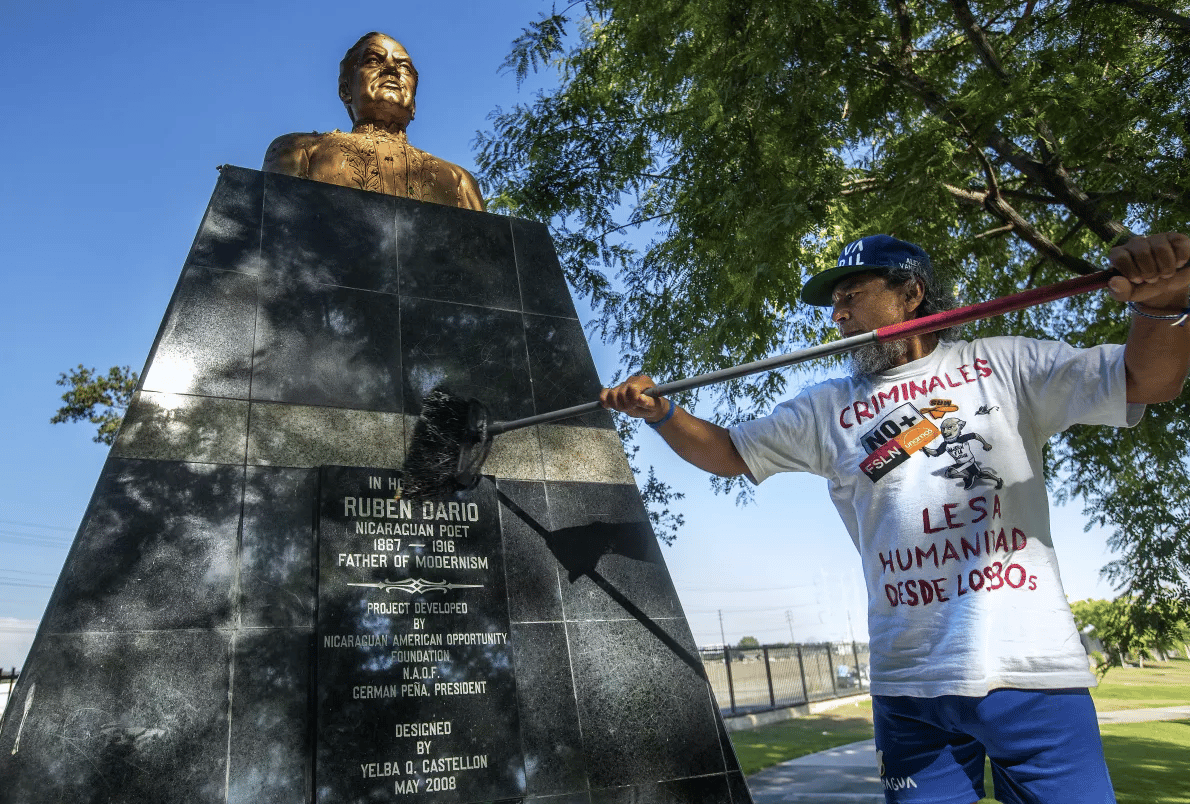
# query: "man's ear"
{"points": [[345, 96], [915, 293]]}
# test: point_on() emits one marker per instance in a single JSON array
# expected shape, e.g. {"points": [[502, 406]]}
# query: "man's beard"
{"points": [[876, 357]]}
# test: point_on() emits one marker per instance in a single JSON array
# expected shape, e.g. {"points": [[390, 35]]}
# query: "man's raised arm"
{"points": [[1157, 355], [704, 444]]}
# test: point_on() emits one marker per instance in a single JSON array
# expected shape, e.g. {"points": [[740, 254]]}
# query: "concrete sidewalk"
{"points": [[849, 774], [1145, 715]]}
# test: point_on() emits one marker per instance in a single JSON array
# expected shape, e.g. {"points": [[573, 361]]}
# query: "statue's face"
{"points": [[383, 85]]}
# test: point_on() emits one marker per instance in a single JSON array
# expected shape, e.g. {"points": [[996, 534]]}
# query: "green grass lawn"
{"points": [[1148, 761], [1158, 684], [765, 746]]}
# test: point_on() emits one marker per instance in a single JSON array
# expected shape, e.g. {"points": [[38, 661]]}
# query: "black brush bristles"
{"points": [[450, 443]]}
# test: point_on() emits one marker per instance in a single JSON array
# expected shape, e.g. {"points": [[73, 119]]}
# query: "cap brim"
{"points": [[817, 291]]}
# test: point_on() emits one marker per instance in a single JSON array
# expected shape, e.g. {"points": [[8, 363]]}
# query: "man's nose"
{"points": [[838, 314]]}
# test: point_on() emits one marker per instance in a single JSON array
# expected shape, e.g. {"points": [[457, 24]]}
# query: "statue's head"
{"points": [[377, 81]]}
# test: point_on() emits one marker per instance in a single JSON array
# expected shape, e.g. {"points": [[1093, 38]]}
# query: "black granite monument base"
{"points": [[249, 613]]}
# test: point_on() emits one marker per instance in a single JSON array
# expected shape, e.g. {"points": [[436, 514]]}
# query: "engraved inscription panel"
{"points": [[416, 689]]}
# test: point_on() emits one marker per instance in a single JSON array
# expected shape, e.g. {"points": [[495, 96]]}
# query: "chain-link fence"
{"points": [[775, 676]]}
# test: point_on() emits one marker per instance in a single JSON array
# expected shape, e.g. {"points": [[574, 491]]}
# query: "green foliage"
{"points": [[748, 642], [697, 161], [657, 495], [98, 398], [1125, 632]]}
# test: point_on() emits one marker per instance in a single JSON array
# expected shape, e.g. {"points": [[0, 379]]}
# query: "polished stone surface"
{"points": [[474, 351], [157, 551], [320, 234], [543, 287], [320, 344], [182, 427], [550, 730], [229, 236], [129, 717], [184, 654], [646, 711], [302, 435], [205, 345], [412, 629], [270, 740], [562, 369], [455, 256], [532, 571], [278, 575], [603, 541]]}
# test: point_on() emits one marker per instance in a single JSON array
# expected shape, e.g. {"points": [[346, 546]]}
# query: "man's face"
{"points": [[864, 302], [383, 85]]}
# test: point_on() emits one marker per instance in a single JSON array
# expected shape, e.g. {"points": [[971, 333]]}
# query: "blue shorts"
{"points": [[1044, 746]]}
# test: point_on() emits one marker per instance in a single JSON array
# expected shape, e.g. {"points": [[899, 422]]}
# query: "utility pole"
{"points": [[789, 621], [721, 634]]}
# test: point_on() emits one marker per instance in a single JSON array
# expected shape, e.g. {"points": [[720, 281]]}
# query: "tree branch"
{"points": [[1150, 11], [905, 26], [999, 230], [983, 48], [1049, 175], [1047, 143], [634, 223], [1001, 209]]}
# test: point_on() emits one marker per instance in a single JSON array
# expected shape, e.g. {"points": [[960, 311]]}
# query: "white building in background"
{"points": [[16, 637]]}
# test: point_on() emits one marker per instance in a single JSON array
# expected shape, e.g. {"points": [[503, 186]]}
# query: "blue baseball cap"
{"points": [[871, 253]]}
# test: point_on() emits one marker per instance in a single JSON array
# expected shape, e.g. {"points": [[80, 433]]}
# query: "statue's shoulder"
{"points": [[468, 190], [464, 185], [291, 153]]}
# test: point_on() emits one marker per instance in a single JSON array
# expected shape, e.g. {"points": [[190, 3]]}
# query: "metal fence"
{"points": [[744, 680], [775, 676]]}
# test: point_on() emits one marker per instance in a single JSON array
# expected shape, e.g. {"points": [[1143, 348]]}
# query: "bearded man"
{"points": [[974, 649]]}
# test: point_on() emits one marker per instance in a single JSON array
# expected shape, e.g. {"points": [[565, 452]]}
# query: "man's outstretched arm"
{"points": [[1157, 355], [704, 444]]}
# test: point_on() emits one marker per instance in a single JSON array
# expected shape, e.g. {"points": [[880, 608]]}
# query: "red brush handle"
{"points": [[988, 309], [918, 326]]}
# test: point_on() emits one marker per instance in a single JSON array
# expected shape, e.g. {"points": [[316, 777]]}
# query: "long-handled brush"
{"points": [[453, 436]]}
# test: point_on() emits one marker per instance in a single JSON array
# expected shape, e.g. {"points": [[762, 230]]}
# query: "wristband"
{"points": [[669, 415], [1178, 319]]}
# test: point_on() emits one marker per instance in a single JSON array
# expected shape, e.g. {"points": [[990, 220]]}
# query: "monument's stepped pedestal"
{"points": [[247, 615]]}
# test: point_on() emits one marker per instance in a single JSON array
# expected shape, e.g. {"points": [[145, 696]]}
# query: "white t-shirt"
{"points": [[936, 470]]}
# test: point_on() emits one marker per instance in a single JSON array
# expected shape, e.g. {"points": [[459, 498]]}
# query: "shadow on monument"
{"points": [[578, 550], [144, 641]]}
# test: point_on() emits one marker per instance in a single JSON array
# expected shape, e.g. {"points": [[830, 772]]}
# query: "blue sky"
{"points": [[118, 114]]}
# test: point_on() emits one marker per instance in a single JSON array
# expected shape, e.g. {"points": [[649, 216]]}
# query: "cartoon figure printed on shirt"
{"points": [[957, 443]]}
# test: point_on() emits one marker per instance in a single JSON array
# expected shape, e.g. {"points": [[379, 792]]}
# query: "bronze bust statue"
{"points": [[378, 85]]}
